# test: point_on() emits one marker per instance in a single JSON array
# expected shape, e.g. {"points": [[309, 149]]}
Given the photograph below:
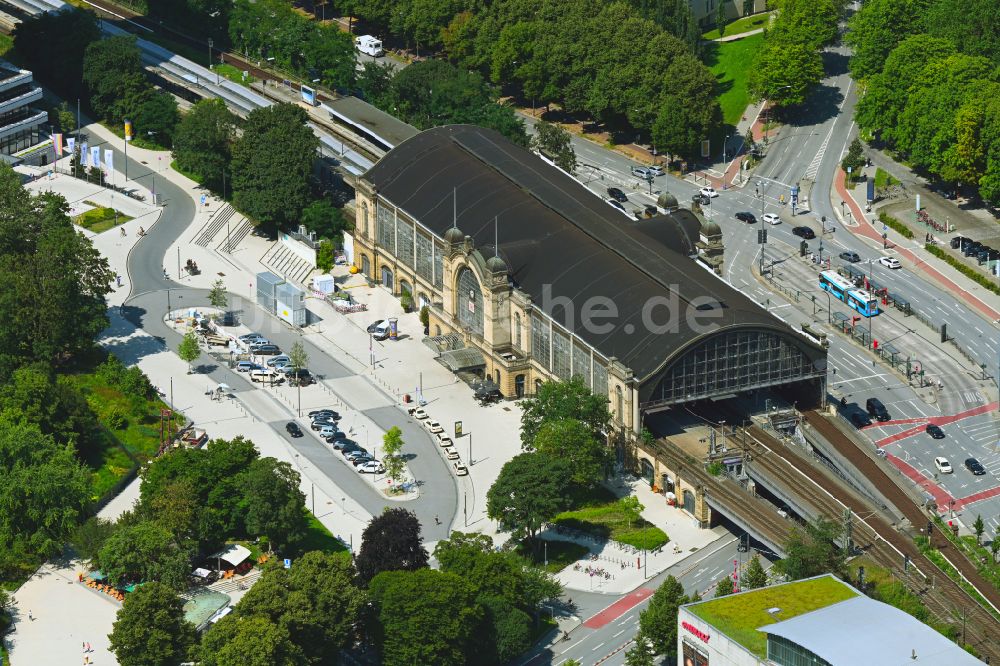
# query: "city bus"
{"points": [[843, 289]]}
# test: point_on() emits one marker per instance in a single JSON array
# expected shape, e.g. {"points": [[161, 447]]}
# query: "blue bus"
{"points": [[843, 290]]}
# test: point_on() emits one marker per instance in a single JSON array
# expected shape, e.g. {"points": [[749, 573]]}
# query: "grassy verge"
{"points": [[138, 140], [560, 554], [883, 179], [978, 554], [604, 516], [187, 174], [320, 538], [895, 225], [234, 74], [941, 563], [730, 62], [101, 219], [964, 269], [883, 586], [745, 24]]}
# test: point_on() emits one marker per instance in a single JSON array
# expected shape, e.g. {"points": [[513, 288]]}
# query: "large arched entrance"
{"points": [[519, 386], [470, 301], [689, 502], [366, 266]]}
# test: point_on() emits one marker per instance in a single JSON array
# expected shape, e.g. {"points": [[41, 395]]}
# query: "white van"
{"points": [[266, 376], [369, 45], [381, 331]]}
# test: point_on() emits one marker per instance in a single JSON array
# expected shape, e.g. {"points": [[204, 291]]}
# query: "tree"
{"points": [[530, 490], [275, 507], [720, 19], [151, 630], [374, 81], [971, 25], [298, 356], [256, 640], [53, 45], [724, 587], [272, 165], [43, 489], [54, 308], [112, 70], [854, 160], [573, 441], [390, 542], [90, 536], [65, 119], [995, 548], [658, 623], [218, 297], [425, 617], [157, 117], [189, 350], [674, 132], [556, 143], [784, 72], [979, 527], [508, 630], [563, 400], [813, 552], [144, 552], [876, 29], [755, 576], [203, 141], [392, 443], [639, 654], [325, 220], [314, 603]]}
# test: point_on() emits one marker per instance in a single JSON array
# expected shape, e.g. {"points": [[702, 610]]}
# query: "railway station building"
{"points": [[530, 277]]}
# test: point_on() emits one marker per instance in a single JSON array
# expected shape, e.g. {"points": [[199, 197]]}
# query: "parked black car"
{"points": [[975, 467], [617, 194], [860, 420], [971, 248], [958, 241], [744, 216]]}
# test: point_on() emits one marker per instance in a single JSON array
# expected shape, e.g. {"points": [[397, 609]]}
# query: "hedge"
{"points": [[895, 225], [964, 269]]}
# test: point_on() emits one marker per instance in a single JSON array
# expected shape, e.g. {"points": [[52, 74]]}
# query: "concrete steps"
{"points": [[282, 261], [216, 222], [239, 228]]}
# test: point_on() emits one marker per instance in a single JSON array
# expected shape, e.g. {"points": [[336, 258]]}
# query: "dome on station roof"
{"points": [[496, 265], [667, 201], [454, 235]]}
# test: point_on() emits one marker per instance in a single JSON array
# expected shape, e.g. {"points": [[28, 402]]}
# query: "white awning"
{"points": [[201, 573], [234, 555]]}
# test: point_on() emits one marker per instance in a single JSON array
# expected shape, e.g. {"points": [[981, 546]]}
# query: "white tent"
{"points": [[234, 555]]}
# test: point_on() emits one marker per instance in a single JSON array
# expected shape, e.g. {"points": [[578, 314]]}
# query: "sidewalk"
{"points": [[973, 295]]}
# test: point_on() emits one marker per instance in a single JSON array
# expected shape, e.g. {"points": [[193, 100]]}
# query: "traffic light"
{"points": [[761, 236], [944, 333], [930, 527], [803, 248]]}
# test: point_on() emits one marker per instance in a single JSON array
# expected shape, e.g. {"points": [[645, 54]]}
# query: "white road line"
{"points": [[596, 647], [627, 618], [618, 634]]}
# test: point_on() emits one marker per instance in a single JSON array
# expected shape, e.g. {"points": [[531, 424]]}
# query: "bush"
{"points": [[964, 269], [115, 419], [324, 256], [895, 225], [715, 468]]}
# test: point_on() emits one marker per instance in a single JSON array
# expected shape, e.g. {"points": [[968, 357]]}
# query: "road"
{"points": [[147, 304], [609, 624]]}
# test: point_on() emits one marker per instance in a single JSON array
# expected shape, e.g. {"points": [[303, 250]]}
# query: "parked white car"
{"points": [[943, 465], [371, 467], [434, 427], [460, 469], [450, 453]]}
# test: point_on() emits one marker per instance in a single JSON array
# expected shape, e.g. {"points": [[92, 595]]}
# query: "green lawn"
{"points": [[745, 24], [320, 538], [883, 179], [739, 615], [101, 219], [730, 62], [600, 514], [232, 73], [187, 174], [560, 553]]}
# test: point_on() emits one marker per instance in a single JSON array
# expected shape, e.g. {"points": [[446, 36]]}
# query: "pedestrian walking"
{"points": [[89, 648], [437, 521], [30, 616]]}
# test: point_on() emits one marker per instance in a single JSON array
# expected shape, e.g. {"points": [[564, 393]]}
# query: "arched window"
{"points": [[619, 404], [470, 301], [517, 330], [364, 218]]}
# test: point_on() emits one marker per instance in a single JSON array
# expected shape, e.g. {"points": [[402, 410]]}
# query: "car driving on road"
{"points": [[851, 257], [943, 465], [975, 466], [934, 431], [293, 429], [744, 216], [804, 232], [889, 262], [617, 204], [708, 192], [771, 218], [701, 199], [617, 194]]}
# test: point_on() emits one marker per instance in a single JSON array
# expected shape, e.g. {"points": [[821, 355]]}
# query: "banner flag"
{"points": [[71, 145], [84, 154], [109, 161], [57, 144], [95, 156]]}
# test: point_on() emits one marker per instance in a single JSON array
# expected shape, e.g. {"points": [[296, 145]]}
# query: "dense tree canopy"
{"points": [[53, 309], [151, 630], [813, 551], [142, 552], [272, 165], [53, 44], [390, 542], [530, 490], [425, 617], [573, 441], [878, 28], [43, 489], [309, 611], [254, 640], [563, 400], [203, 140], [658, 622]]}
